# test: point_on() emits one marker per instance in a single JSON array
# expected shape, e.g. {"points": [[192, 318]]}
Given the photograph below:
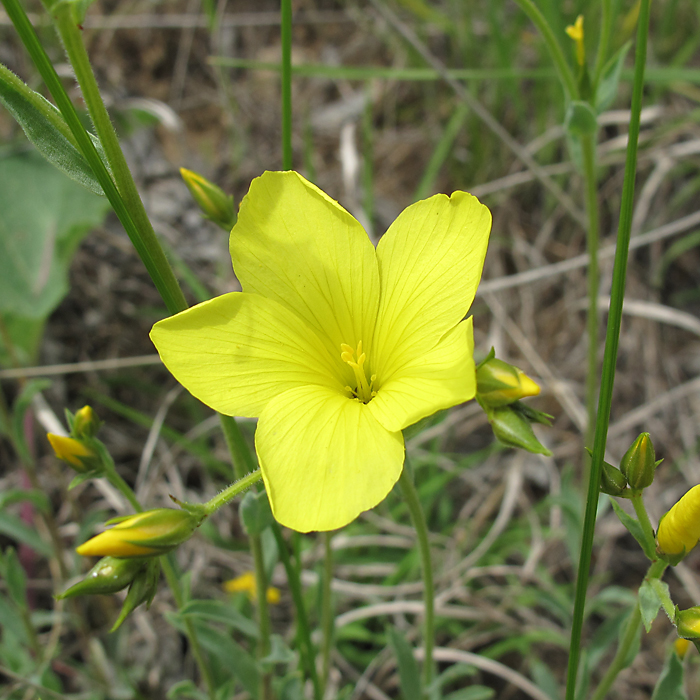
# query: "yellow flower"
{"points": [[245, 583], [147, 534], [575, 31], [335, 346], [72, 451], [679, 529]]}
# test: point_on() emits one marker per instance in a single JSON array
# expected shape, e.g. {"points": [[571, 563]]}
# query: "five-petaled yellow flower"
{"points": [[336, 347]]}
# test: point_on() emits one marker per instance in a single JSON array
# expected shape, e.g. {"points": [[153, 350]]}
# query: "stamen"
{"points": [[356, 359]]}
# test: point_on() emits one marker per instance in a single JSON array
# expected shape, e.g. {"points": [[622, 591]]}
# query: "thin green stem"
{"points": [[286, 29], [228, 494], [327, 617], [243, 460], [264, 626], [588, 146], [71, 35], [643, 518], [538, 19], [171, 576], [148, 249], [611, 344], [629, 636], [606, 25], [411, 495], [306, 648]]}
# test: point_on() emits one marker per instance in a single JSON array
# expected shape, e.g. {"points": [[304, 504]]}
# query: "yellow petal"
{"points": [[442, 377], [324, 458], [237, 351], [430, 263], [294, 244]]}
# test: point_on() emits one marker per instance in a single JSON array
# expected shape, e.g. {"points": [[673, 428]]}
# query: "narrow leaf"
{"points": [[409, 674], [670, 685], [649, 604]]}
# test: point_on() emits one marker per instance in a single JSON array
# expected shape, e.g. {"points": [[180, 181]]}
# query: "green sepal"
{"points": [[531, 415], [514, 430], [108, 576], [142, 590]]}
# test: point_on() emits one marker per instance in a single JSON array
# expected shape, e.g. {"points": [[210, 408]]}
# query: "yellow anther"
{"points": [[356, 359]]}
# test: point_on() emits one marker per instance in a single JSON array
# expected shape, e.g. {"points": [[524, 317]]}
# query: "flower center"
{"points": [[356, 359]]}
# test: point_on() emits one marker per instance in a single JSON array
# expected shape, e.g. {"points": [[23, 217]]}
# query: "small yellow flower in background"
{"points": [[245, 583], [147, 534], [679, 529], [575, 31], [72, 451], [681, 647], [335, 346]]}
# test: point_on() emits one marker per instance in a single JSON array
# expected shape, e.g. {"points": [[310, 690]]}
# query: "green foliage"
{"points": [[649, 604], [409, 674], [670, 684]]}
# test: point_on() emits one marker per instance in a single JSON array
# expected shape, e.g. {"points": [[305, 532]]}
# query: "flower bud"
{"points": [[575, 32], [612, 480], [511, 428], [142, 590], [147, 534], [499, 384], [216, 205], [679, 529], [688, 622], [639, 463], [108, 576], [85, 423], [680, 646], [74, 452]]}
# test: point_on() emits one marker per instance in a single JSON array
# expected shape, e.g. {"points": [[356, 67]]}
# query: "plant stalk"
{"points": [[327, 618], [229, 493], [264, 625]]}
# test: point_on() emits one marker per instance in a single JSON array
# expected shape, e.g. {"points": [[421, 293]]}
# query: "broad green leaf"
{"points": [[15, 529], [649, 604], [635, 529], [45, 127], [255, 512], [44, 217], [670, 684], [580, 119], [610, 79], [24, 335], [221, 612], [409, 674]]}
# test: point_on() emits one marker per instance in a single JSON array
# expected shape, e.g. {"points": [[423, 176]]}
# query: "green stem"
{"points": [[264, 625], [241, 456], [286, 29], [643, 518], [411, 495], [588, 144], [628, 638], [327, 618], [229, 493], [612, 340], [606, 25], [538, 19], [70, 33], [172, 577], [306, 648]]}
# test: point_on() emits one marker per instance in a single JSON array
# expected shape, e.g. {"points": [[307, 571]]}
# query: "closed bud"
{"points": [[499, 384], [147, 534], [74, 452], [679, 529], [681, 646], [142, 590], [108, 576], [512, 429], [612, 480], [639, 463], [212, 200], [688, 622], [85, 423], [575, 32]]}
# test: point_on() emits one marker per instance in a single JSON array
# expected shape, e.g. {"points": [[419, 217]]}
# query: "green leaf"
{"points": [[255, 512], [610, 79], [44, 217], [15, 529], [221, 612], [476, 692], [45, 127], [649, 604], [24, 335], [19, 409], [38, 498], [670, 684], [580, 119], [635, 529], [185, 689], [14, 576], [409, 674]]}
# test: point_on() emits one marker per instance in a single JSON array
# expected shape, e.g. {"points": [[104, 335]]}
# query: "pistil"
{"points": [[356, 359]]}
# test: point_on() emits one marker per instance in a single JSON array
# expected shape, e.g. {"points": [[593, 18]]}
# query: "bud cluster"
{"points": [[79, 448]]}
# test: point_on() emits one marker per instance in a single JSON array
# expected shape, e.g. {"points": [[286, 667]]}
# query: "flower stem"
{"points": [[286, 22], [263, 613], [241, 456], [411, 495], [148, 246], [327, 618], [612, 340], [588, 146], [228, 494], [643, 518]]}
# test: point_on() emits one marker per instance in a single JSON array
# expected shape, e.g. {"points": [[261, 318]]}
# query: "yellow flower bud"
{"points": [[679, 529], [681, 647], [74, 452], [212, 200], [85, 423], [499, 384], [245, 583], [688, 623], [575, 31], [639, 463], [147, 534]]}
